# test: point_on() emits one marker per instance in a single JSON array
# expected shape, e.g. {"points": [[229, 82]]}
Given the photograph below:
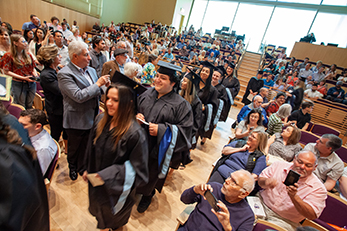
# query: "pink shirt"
{"points": [[311, 190]]}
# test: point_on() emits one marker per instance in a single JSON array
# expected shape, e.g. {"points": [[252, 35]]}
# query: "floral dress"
{"points": [[148, 74]]}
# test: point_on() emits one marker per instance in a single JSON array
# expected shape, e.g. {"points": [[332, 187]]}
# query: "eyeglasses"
{"points": [[234, 183], [23, 41]]}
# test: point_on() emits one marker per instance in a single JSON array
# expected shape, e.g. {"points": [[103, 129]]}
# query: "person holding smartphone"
{"points": [[234, 213], [287, 206]]}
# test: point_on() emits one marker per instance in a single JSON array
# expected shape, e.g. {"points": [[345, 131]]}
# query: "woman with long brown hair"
{"points": [[20, 65], [5, 42], [117, 154]]}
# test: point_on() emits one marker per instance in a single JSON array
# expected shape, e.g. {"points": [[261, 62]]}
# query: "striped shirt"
{"points": [[275, 124]]}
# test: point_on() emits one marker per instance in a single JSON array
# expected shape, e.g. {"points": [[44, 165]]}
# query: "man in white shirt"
{"points": [[319, 76], [63, 50], [66, 32], [33, 120], [313, 93]]}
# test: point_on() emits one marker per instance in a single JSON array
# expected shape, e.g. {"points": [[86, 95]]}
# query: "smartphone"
{"points": [[251, 128], [292, 178], [212, 200]]}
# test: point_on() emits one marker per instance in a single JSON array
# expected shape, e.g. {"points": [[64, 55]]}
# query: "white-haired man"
{"points": [[287, 206], [234, 213], [81, 88]]}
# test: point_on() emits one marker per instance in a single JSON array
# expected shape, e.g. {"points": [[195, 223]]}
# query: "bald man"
{"points": [[287, 206]]}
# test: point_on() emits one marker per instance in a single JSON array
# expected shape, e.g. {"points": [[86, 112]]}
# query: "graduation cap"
{"points": [[231, 64], [208, 64], [168, 68], [125, 80], [221, 70], [194, 78]]}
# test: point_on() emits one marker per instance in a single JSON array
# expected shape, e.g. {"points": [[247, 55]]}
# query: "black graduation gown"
{"points": [[184, 158], [223, 95], [254, 84], [123, 169], [233, 84], [172, 113], [208, 115], [23, 203]]}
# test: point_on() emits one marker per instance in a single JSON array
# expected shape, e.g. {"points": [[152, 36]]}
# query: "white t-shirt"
{"points": [[312, 94]]}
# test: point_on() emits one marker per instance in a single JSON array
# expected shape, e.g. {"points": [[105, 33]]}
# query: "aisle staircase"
{"points": [[248, 68]]}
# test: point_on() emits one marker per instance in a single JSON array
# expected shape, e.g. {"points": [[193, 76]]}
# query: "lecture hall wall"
{"points": [[16, 12], [138, 11]]}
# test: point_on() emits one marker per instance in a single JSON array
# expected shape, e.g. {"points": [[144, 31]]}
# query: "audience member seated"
{"points": [[322, 87], [285, 145], [257, 102], [290, 63], [281, 75], [183, 53], [319, 75], [202, 56], [33, 24], [331, 72], [330, 166], [33, 121], [304, 73], [275, 105], [290, 69], [238, 155], [264, 92], [234, 213], [302, 117], [276, 124], [342, 185], [211, 58], [287, 206], [312, 93], [343, 77], [54, 23], [169, 56], [270, 67], [316, 68], [303, 64], [253, 122], [268, 82], [336, 94], [292, 78]]}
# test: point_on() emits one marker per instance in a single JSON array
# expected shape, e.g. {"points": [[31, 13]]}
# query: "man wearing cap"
{"points": [[33, 121], [336, 94], [169, 118], [110, 67], [98, 58], [81, 89], [253, 87]]}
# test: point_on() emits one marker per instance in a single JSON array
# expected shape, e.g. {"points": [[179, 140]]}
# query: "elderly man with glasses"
{"points": [[234, 212]]}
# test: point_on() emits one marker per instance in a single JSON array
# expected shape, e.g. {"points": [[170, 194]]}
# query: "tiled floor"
{"points": [[68, 199]]}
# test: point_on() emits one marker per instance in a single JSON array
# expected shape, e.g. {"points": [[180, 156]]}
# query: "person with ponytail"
{"points": [[209, 98]]}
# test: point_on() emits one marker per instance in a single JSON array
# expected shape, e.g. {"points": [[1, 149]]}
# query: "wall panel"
{"points": [[16, 12]]}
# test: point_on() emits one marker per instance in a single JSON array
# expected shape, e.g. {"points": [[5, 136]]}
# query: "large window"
{"points": [[89, 7], [251, 21], [197, 14], [332, 30], [218, 14], [287, 26]]}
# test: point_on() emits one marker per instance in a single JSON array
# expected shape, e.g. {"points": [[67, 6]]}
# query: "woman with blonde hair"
{"points": [[236, 156], [48, 56], [117, 155], [20, 65]]}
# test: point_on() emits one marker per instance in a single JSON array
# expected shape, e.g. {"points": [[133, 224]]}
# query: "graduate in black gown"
{"points": [[117, 153], [209, 98], [225, 99], [189, 85], [168, 121], [230, 82], [253, 87], [23, 195]]}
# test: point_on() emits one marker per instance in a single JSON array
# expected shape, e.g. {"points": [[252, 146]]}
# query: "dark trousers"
{"points": [[77, 143], [56, 123]]}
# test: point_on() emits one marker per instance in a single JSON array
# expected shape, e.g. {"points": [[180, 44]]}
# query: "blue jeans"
{"points": [[23, 93]]}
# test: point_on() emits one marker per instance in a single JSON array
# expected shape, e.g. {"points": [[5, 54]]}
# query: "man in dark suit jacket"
{"points": [[81, 89]]}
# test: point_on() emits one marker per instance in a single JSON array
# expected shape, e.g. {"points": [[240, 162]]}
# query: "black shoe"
{"points": [[73, 174], [144, 204]]}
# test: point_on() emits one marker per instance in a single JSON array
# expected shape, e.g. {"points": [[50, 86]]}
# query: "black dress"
{"points": [[174, 117], [223, 96], [123, 169], [211, 103]]}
